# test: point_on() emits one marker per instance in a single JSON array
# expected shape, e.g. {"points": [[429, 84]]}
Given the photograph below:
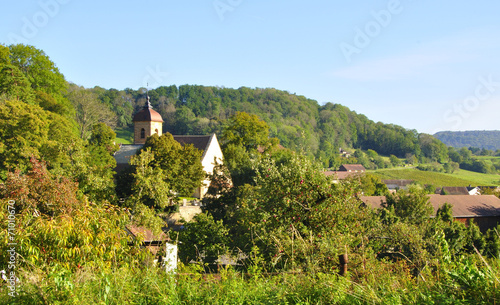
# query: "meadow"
{"points": [[459, 178]]}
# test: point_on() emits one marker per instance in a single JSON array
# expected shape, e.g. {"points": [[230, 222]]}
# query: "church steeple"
{"points": [[146, 122]]}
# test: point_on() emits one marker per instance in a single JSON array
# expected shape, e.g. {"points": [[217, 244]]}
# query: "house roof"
{"points": [[148, 235], [341, 175], [463, 205], [126, 151], [468, 206], [151, 241], [199, 141], [352, 167], [454, 190]]}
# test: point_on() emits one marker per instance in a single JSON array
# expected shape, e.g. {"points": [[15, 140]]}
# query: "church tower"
{"points": [[146, 122]]}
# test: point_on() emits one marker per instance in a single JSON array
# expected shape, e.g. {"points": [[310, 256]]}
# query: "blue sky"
{"points": [[425, 65]]}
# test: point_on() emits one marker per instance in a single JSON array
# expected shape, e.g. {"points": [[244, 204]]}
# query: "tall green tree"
{"points": [[14, 85], [42, 74], [89, 111], [296, 216], [246, 130], [181, 165], [39, 69], [413, 206]]}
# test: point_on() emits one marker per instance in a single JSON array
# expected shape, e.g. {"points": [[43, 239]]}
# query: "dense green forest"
{"points": [[299, 123], [64, 210], [487, 139]]}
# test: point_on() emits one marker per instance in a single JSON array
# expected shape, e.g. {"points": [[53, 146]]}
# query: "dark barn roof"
{"points": [[200, 142]]}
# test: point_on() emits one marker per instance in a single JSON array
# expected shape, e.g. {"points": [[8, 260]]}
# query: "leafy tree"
{"points": [[14, 85], [371, 154], [89, 111], [433, 149], [444, 213], [450, 167], [372, 185], [413, 206], [465, 153], [203, 239], [492, 238], [181, 165], [149, 186], [97, 164], [293, 203], [103, 136], [246, 130], [4, 55], [475, 238], [56, 226], [41, 72], [24, 130], [394, 160]]}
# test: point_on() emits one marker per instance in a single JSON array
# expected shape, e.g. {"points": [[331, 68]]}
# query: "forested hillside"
{"points": [[487, 139], [298, 122]]}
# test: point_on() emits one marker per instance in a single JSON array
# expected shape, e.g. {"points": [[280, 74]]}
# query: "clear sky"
{"points": [[425, 65]]}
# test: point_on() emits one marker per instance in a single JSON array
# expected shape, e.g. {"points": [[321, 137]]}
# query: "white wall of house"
{"points": [[212, 152]]}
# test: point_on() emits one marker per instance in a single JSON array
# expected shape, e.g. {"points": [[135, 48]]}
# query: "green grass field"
{"points": [[124, 136], [459, 178]]}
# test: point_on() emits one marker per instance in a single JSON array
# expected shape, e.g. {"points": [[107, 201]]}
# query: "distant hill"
{"points": [[489, 139], [301, 124]]}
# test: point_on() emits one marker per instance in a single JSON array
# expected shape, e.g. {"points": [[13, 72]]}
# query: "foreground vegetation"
{"points": [[64, 214], [470, 282]]}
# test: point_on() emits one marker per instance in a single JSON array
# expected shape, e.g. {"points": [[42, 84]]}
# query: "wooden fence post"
{"points": [[343, 260]]}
